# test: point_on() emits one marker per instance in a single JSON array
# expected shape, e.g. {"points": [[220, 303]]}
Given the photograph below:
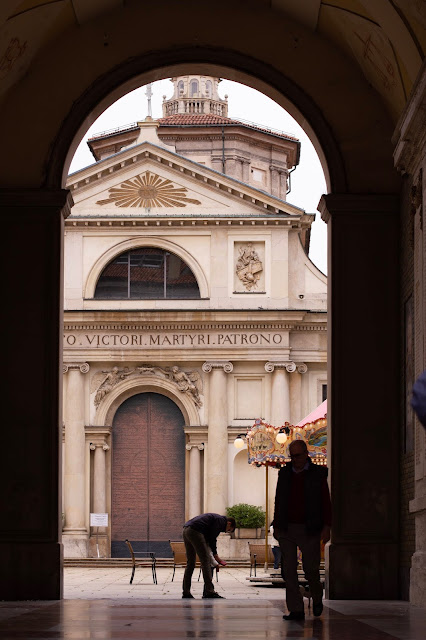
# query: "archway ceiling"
{"points": [[387, 38]]}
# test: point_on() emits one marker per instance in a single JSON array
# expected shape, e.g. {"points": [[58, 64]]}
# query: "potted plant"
{"points": [[249, 520]]}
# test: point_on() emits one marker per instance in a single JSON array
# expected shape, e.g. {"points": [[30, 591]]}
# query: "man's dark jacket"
{"points": [[315, 475], [210, 525]]}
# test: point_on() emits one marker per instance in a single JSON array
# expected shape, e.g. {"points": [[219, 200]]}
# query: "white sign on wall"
{"points": [[98, 519]]}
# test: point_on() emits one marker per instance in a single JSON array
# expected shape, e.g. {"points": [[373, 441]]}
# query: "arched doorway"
{"points": [[355, 131], [148, 474]]}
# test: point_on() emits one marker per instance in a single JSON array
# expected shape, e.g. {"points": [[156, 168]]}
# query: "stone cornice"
{"points": [[191, 326], [191, 220], [356, 204], [40, 199], [198, 316]]}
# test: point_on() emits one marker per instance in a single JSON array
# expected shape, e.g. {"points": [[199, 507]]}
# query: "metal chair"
{"points": [[142, 561]]}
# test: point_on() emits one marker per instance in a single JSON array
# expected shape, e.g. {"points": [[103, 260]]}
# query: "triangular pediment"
{"points": [[146, 180], [148, 190]]}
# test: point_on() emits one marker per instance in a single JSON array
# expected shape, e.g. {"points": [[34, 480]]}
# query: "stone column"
{"points": [[99, 487], [75, 534], [99, 504], [296, 393], [363, 554], [194, 494], [280, 410], [217, 451], [30, 546]]}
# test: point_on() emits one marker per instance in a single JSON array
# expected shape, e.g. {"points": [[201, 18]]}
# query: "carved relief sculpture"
{"points": [[108, 381], [187, 382], [249, 266], [148, 190]]}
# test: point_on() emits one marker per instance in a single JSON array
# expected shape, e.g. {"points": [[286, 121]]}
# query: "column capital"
{"points": [[357, 203], [191, 445], [301, 367], [283, 364], [98, 444], [209, 366], [84, 367]]}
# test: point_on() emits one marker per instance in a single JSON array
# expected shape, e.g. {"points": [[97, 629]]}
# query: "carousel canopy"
{"points": [[316, 414]]}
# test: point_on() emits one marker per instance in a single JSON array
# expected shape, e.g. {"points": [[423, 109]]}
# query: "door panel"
{"points": [[148, 475]]}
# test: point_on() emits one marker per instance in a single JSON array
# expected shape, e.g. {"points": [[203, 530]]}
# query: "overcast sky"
{"points": [[307, 181]]}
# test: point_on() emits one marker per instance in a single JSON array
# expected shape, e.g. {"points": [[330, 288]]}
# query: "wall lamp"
{"points": [[239, 441]]}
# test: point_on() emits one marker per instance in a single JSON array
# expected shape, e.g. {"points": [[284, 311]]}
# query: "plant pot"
{"points": [[245, 533]]}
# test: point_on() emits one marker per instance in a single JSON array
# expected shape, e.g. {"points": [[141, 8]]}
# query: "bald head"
{"points": [[298, 454]]}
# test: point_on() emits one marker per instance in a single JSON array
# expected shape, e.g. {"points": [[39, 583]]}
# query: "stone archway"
{"points": [[354, 132]]}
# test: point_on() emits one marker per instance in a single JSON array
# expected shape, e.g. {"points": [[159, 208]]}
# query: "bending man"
{"points": [[199, 536]]}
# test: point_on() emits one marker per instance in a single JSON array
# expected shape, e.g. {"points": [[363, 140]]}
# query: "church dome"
{"points": [[195, 94]]}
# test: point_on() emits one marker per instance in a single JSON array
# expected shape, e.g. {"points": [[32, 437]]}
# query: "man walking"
{"points": [[302, 519], [199, 536]]}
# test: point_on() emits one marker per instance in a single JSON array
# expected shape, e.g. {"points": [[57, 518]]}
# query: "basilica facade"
{"points": [[191, 309]]}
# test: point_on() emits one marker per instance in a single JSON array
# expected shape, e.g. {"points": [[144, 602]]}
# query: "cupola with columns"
{"points": [[195, 94]]}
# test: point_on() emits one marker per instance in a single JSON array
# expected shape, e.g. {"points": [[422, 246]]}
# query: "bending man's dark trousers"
{"points": [[196, 545]]}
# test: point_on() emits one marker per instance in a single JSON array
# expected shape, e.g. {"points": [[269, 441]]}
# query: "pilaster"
{"points": [[410, 160], [217, 458], [363, 400], [30, 548]]}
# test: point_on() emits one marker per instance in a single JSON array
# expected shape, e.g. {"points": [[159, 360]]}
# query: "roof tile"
{"points": [[203, 119]]}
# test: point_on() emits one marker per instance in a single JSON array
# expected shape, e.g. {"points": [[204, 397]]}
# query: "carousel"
{"points": [[268, 446]]}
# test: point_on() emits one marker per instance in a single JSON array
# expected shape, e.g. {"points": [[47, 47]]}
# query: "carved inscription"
{"points": [[149, 340]]}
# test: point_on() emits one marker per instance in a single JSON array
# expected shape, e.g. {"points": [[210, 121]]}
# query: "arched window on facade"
{"points": [[147, 273], [180, 87], [194, 88], [209, 88]]}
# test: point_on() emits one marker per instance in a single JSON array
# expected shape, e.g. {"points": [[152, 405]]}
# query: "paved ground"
{"points": [[114, 583], [101, 604]]}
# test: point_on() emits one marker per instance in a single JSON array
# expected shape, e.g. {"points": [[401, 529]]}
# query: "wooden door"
{"points": [[148, 474]]}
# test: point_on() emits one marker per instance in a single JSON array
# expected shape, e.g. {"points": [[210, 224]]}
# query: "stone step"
{"points": [[127, 562]]}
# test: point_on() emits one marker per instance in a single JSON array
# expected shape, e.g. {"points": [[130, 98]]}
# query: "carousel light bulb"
{"points": [[238, 443], [281, 437]]}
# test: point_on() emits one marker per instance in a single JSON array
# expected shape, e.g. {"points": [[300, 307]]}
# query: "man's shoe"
{"points": [[213, 595], [187, 595], [295, 615], [317, 608]]}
